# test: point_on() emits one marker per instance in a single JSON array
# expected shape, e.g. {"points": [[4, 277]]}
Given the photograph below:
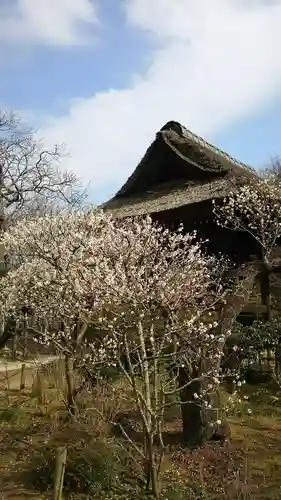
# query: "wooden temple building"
{"points": [[176, 182]]}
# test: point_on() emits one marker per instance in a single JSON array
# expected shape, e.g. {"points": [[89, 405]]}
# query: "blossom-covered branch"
{"points": [[256, 209]]}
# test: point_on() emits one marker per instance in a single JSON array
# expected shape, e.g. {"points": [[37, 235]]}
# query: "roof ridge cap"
{"points": [[182, 130]]}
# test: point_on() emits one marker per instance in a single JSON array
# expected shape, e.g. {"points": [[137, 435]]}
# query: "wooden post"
{"points": [[59, 473], [38, 387], [266, 297], [22, 377], [70, 384], [265, 287]]}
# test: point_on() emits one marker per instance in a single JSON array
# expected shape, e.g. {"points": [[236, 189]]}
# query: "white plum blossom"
{"points": [[129, 293], [254, 208], [91, 276], [89, 280]]}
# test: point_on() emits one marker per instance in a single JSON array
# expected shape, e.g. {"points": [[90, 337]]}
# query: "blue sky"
{"points": [[47, 78], [254, 140], [103, 76]]}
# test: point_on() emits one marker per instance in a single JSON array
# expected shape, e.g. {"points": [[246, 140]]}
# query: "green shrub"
{"points": [[88, 469], [13, 414]]}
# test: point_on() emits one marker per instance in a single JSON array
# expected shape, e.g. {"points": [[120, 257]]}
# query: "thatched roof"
{"points": [[179, 168]]}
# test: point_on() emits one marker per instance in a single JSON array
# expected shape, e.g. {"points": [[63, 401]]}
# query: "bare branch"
{"points": [[31, 180]]}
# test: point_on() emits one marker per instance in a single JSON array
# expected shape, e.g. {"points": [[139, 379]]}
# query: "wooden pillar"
{"points": [[266, 294], [265, 288]]}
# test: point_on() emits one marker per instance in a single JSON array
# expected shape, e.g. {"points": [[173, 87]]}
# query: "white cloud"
{"points": [[48, 22], [213, 62]]}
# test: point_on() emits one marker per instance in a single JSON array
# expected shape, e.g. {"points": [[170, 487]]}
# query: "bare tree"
{"points": [[31, 181], [273, 170]]}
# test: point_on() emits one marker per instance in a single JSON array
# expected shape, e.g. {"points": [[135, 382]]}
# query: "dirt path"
{"points": [[10, 372], [32, 363]]}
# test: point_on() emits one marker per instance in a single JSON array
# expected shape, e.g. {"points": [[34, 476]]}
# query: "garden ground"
{"points": [[33, 424]]}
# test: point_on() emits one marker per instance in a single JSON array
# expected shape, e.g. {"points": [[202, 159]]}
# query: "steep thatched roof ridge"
{"points": [[179, 168], [178, 154]]}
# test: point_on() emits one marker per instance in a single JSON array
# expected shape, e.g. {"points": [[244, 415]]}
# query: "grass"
{"points": [[33, 424]]}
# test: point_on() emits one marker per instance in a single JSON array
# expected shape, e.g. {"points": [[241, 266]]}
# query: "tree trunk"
{"points": [[152, 479], [14, 347], [199, 423], [70, 384], [192, 421], [6, 334], [25, 343], [277, 367]]}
